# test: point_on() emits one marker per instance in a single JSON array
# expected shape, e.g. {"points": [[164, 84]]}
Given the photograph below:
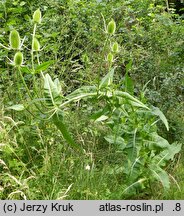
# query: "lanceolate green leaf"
{"points": [[117, 140], [129, 66], [57, 85], [52, 91], [83, 92], [167, 154], [91, 91], [17, 107], [43, 66], [158, 142], [25, 69], [107, 80], [131, 98], [156, 111], [135, 104], [129, 86], [58, 121], [160, 175], [101, 118]]}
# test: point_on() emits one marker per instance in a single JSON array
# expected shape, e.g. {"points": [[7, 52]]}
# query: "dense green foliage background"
{"points": [[36, 162]]}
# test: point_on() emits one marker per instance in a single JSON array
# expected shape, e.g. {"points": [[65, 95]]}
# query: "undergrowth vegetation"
{"points": [[91, 100]]}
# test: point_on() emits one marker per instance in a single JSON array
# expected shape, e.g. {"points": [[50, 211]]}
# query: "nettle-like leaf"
{"points": [[107, 80], [52, 91], [156, 111]]}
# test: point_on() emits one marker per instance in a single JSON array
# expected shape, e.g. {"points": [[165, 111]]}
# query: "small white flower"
{"points": [[87, 167]]}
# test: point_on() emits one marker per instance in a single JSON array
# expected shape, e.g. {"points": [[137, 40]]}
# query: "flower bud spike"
{"points": [[111, 27], [37, 16], [110, 57], [115, 47], [35, 45], [14, 40], [18, 59]]}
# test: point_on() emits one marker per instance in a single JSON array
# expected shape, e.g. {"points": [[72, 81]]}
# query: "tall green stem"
{"points": [[32, 52]]}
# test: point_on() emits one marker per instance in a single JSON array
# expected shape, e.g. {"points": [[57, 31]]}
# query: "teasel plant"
{"points": [[108, 51], [49, 99], [48, 102]]}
